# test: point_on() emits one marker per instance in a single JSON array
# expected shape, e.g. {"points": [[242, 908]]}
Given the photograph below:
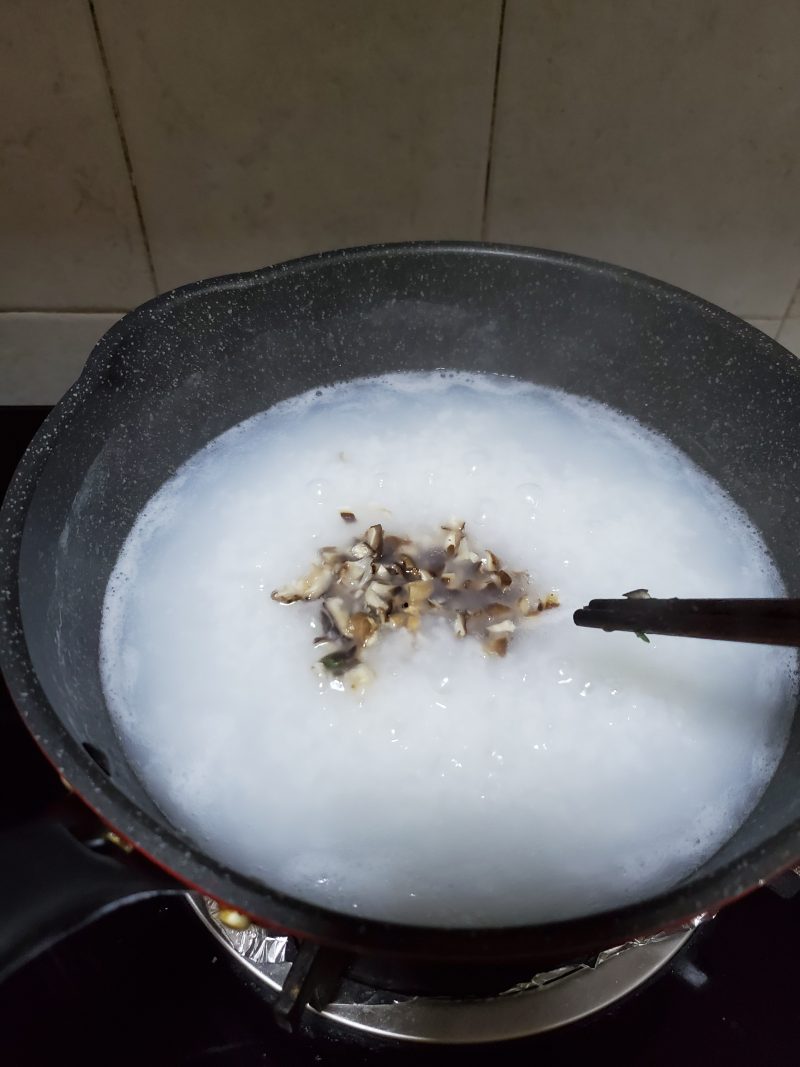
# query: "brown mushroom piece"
{"points": [[382, 580], [497, 645], [374, 538]]}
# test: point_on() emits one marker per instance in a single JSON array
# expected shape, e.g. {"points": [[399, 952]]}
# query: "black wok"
{"points": [[186, 366]]}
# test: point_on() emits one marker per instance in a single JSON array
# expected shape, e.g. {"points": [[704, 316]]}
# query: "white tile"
{"points": [[261, 131], [661, 136], [768, 326], [789, 335], [42, 354], [68, 227]]}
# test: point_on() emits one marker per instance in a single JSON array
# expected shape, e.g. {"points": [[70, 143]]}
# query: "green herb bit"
{"points": [[336, 661]]}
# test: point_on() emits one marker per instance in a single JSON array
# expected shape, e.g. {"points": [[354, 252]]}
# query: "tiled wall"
{"points": [[145, 144]]}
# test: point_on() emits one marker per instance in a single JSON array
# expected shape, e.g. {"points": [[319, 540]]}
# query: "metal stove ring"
{"points": [[549, 1000]]}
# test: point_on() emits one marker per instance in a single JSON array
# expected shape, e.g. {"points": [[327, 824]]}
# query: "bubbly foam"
{"points": [[582, 771]]}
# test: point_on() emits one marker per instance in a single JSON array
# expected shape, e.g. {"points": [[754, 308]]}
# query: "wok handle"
{"points": [[58, 873]]}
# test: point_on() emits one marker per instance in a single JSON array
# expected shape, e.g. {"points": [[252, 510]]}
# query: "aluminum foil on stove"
{"points": [[254, 944], [259, 946]]}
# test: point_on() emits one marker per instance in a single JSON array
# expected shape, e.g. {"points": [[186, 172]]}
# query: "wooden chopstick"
{"points": [[763, 622]]}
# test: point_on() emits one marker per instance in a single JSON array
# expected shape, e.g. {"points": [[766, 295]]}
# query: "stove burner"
{"points": [[542, 1002]]}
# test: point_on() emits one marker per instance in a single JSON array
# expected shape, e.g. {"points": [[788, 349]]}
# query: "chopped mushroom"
{"points": [[419, 591], [407, 566], [497, 646], [354, 572], [489, 562], [315, 583], [525, 608], [455, 535], [374, 538], [382, 580], [374, 597], [339, 613]]}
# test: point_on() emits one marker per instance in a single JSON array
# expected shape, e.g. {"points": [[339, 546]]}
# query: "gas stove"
{"points": [[167, 982]]}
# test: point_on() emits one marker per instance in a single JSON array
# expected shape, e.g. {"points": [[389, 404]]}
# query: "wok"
{"points": [[186, 366]]}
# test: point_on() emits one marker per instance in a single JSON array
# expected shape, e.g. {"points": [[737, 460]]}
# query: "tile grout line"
{"points": [[789, 306], [124, 144], [490, 145]]}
